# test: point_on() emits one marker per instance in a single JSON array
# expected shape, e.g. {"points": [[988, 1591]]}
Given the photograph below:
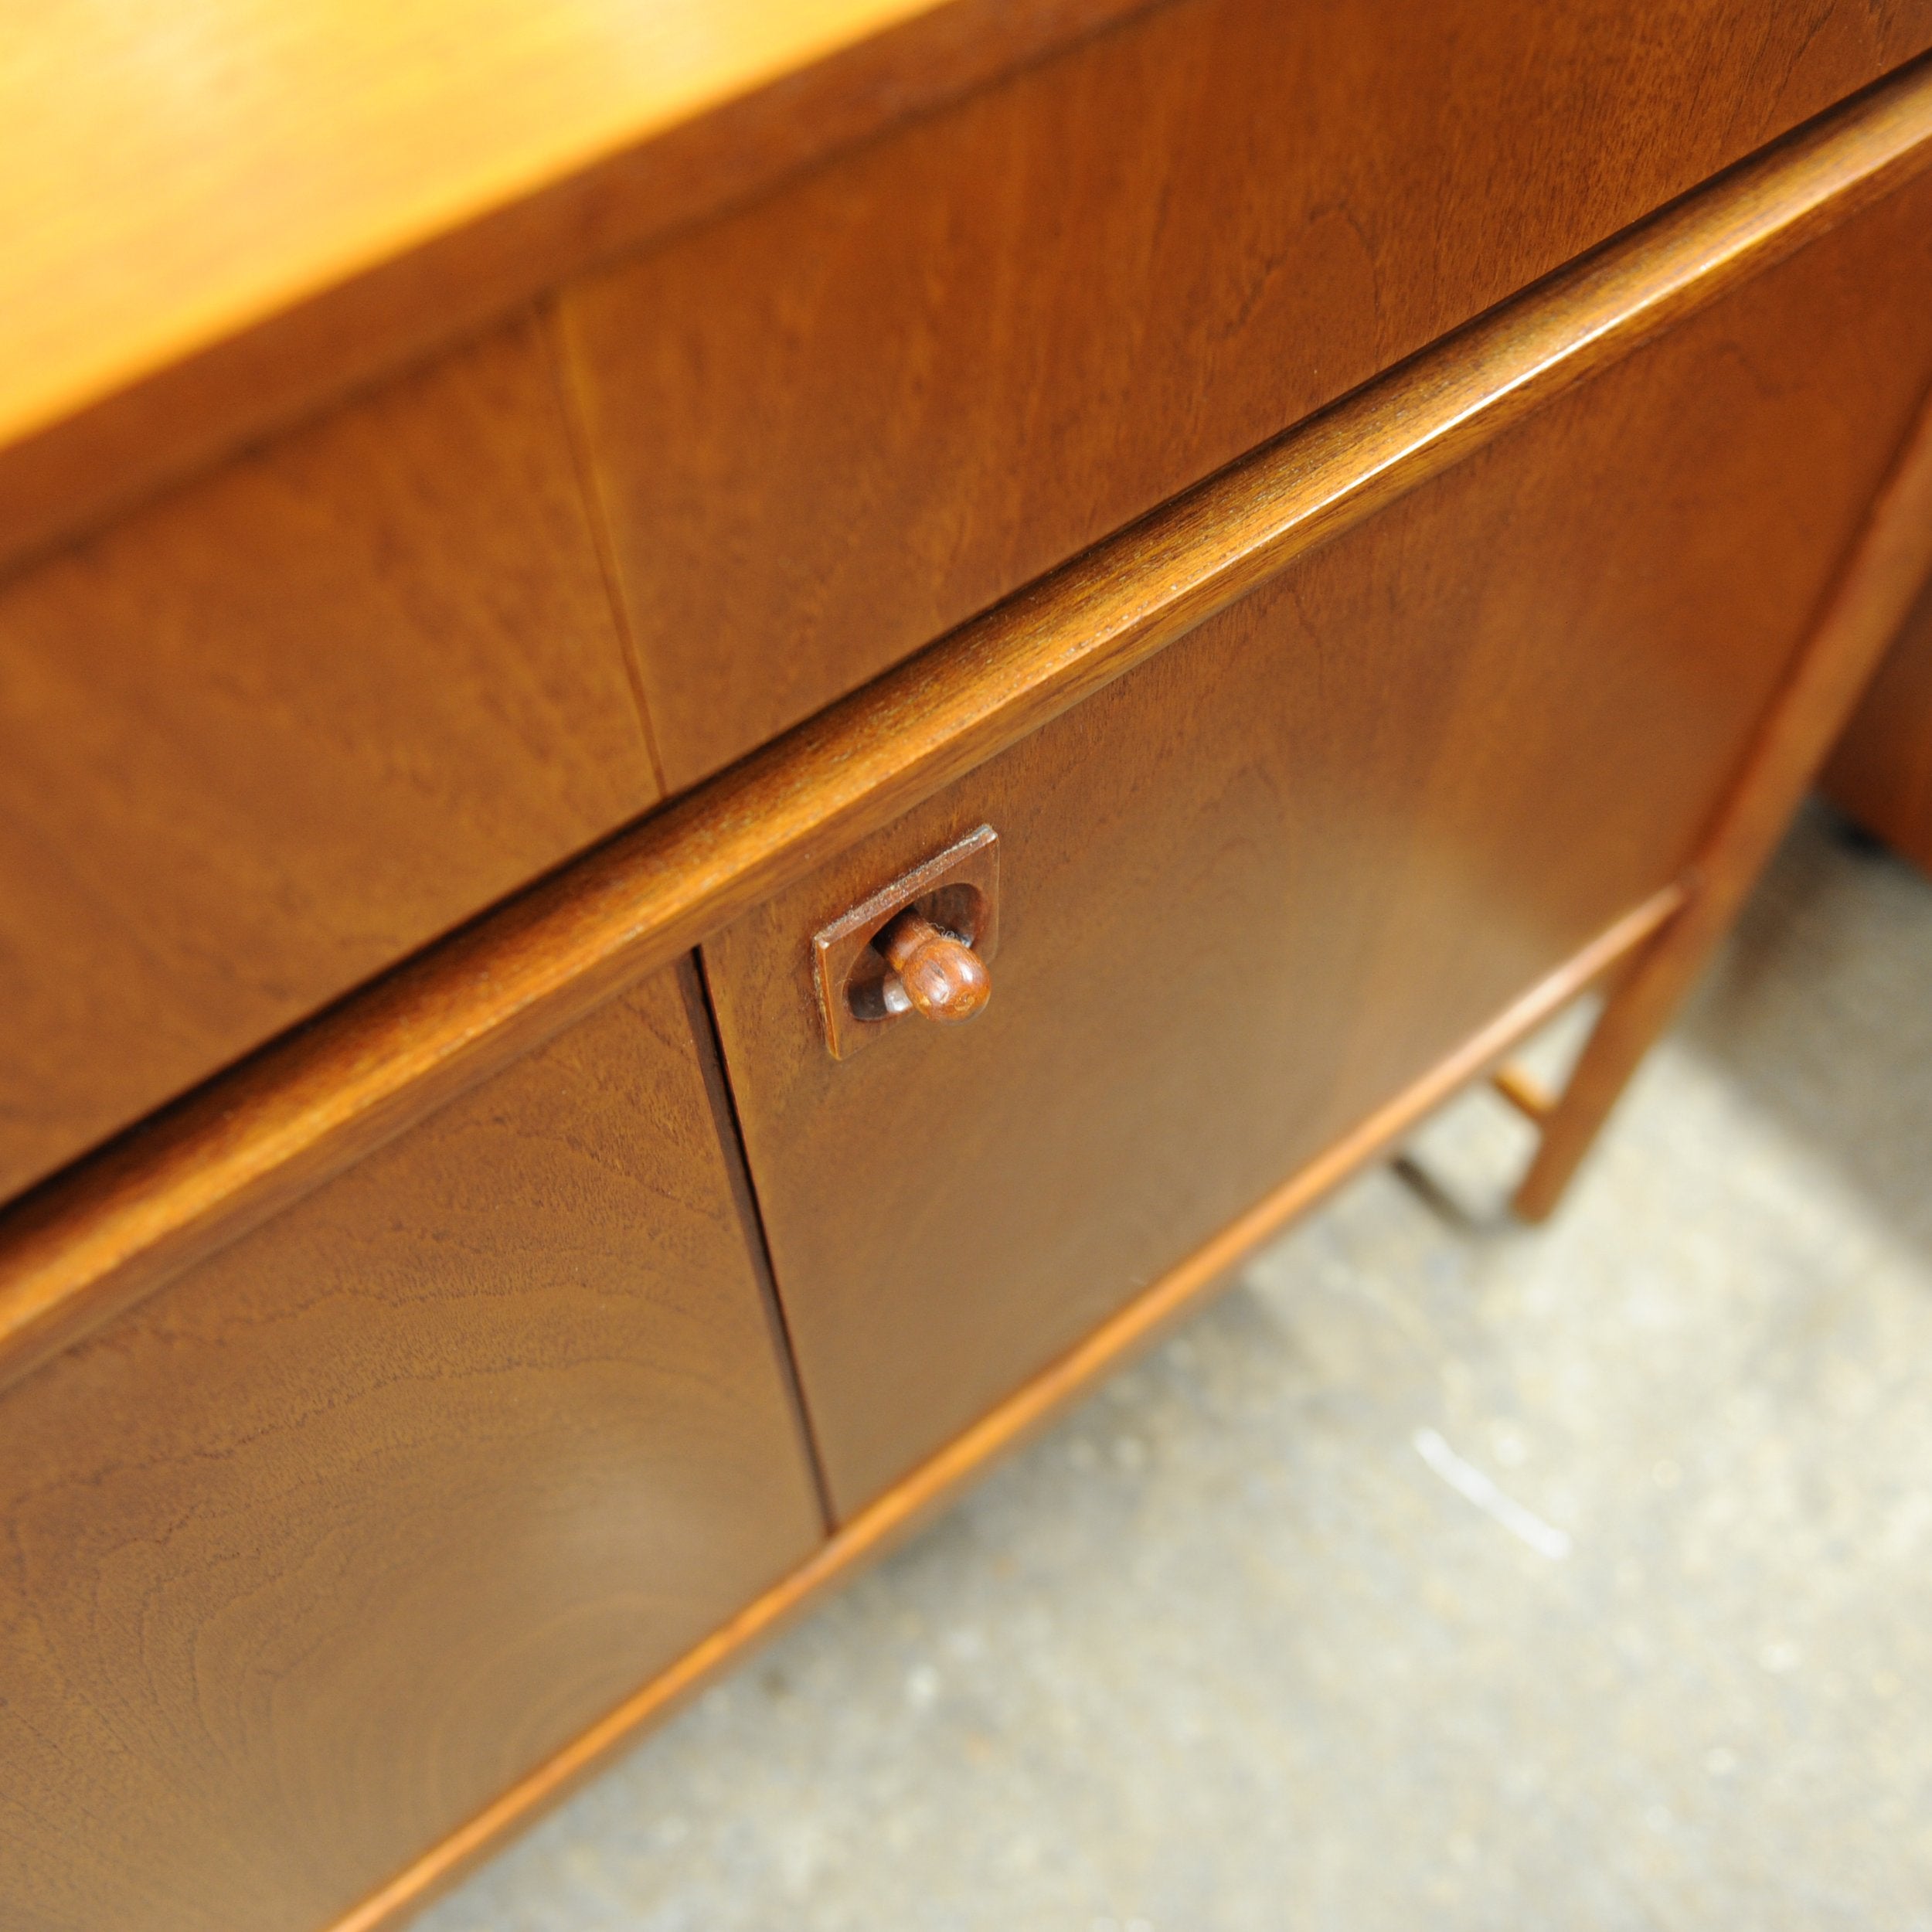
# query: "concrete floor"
{"points": [[1444, 1574]]}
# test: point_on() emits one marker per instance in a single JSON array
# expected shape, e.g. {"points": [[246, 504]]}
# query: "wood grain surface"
{"points": [[310, 1557], [1881, 771], [111, 1228], [278, 729], [222, 214], [835, 425], [1411, 774], [938, 1481]]}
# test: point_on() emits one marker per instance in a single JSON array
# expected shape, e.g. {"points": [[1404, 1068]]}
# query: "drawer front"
{"points": [[1253, 890], [313, 1553], [1881, 771], [287, 724], [830, 428]]}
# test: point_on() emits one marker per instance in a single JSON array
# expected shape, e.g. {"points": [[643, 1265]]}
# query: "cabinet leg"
{"points": [[1871, 597], [1638, 1008]]}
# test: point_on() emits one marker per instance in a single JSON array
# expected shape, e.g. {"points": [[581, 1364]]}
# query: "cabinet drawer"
{"points": [[287, 724], [828, 428], [319, 1549], [1256, 888]]}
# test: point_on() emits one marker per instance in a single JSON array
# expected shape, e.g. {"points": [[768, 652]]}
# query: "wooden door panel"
{"points": [[272, 732], [318, 1549], [829, 427], [1254, 890]]}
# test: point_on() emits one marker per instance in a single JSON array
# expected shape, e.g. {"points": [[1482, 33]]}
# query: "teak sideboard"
{"points": [[582, 583]]}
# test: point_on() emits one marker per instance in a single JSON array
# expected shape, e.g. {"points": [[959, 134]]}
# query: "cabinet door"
{"points": [[313, 1553], [1255, 888]]}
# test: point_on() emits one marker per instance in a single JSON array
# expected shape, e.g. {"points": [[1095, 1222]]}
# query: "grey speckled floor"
{"points": [[1444, 1574]]}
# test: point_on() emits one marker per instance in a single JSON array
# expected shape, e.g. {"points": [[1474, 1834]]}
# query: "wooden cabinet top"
{"points": [[222, 215], [218, 212], [175, 172]]}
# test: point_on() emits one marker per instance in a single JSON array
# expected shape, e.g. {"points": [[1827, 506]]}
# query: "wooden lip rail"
{"points": [[221, 1160]]}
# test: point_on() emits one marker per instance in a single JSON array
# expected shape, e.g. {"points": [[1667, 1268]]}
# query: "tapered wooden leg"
{"points": [[1873, 596]]}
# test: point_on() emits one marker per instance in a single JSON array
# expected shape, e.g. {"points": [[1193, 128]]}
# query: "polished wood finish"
{"points": [[310, 1557], [939, 974], [908, 1505], [838, 423], [287, 725], [403, 1415], [1881, 771], [1410, 787], [204, 1171], [1892, 561], [222, 214]]}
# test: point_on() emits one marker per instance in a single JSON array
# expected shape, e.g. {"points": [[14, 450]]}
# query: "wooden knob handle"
{"points": [[940, 976]]}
